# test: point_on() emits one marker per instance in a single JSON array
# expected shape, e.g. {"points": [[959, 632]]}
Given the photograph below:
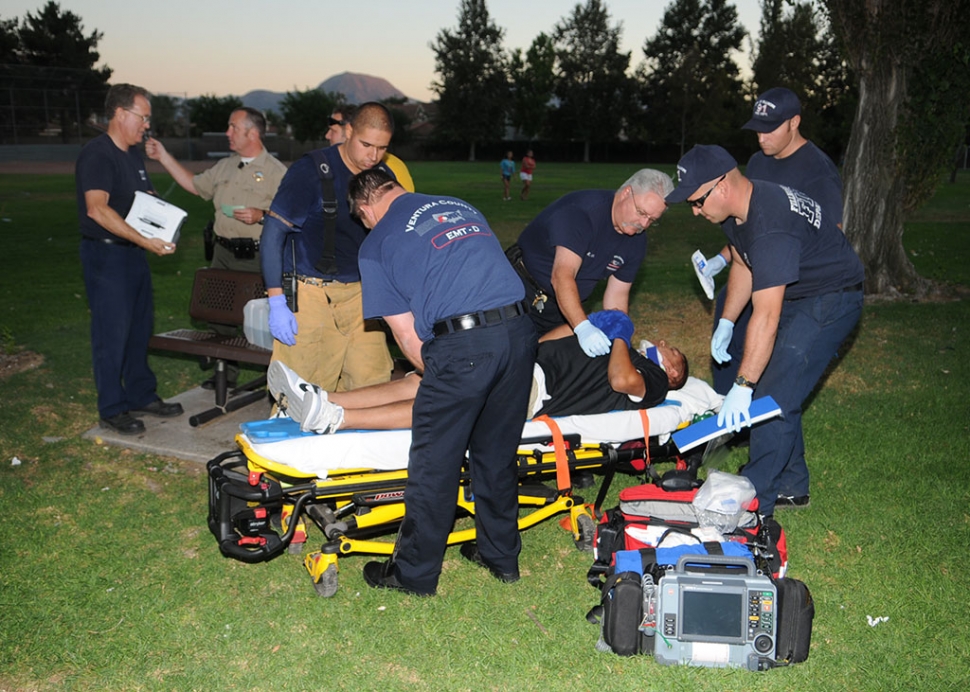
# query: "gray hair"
{"points": [[648, 180]]}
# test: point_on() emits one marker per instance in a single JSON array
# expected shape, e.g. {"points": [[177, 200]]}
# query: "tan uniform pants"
{"points": [[333, 348]]}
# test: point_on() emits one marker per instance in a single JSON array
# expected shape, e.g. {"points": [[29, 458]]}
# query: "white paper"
{"points": [[155, 218], [707, 283]]}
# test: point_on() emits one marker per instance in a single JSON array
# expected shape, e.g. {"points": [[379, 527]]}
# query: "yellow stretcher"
{"points": [[250, 496]]}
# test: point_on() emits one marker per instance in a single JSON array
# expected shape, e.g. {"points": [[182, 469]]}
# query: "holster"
{"points": [[209, 241]]}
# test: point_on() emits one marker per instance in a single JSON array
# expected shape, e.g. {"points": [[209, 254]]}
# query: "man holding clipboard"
{"points": [[108, 173]]}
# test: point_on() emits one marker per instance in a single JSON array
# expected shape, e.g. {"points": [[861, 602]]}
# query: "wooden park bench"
{"points": [[218, 297]]}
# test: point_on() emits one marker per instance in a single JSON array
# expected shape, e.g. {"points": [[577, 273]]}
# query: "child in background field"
{"points": [[508, 169], [525, 174]]}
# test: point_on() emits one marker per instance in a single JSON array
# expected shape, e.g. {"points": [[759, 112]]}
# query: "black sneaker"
{"points": [[124, 424], [159, 408], [380, 575], [469, 551], [792, 501]]}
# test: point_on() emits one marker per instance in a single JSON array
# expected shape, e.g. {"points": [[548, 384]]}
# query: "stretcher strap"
{"points": [[645, 422], [563, 481]]}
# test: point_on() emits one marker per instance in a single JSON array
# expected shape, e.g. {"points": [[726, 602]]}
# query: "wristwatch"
{"points": [[743, 381]]}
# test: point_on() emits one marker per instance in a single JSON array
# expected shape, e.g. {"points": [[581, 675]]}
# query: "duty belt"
{"points": [[235, 243], [482, 318]]}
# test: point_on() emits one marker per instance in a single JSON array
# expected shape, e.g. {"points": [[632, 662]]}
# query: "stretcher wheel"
{"points": [[587, 532], [327, 586]]}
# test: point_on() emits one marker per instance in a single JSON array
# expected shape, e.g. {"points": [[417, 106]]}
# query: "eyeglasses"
{"points": [[699, 202], [334, 121], [641, 213], [146, 119]]}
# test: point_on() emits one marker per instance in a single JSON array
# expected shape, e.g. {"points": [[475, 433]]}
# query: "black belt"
{"points": [[110, 241], [235, 243], [482, 318]]}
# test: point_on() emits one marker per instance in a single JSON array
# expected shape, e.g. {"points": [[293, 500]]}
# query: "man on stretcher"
{"points": [[565, 382]]}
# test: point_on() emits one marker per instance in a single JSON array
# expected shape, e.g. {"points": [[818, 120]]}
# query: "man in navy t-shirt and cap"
{"points": [[804, 282], [433, 269]]}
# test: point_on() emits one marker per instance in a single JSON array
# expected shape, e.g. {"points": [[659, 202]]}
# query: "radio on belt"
{"points": [[706, 617]]}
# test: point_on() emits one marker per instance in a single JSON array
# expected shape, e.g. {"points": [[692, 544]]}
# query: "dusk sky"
{"points": [[193, 47]]}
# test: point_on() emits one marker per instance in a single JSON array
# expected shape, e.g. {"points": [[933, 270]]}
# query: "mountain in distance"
{"points": [[356, 88]]}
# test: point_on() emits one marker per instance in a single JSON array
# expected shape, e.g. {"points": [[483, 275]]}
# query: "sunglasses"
{"points": [[334, 121], [699, 202]]}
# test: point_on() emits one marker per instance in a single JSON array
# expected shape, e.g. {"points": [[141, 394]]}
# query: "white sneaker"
{"points": [[321, 416], [302, 401], [289, 390]]}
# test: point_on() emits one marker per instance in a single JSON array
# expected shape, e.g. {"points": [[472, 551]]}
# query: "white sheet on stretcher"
{"points": [[388, 449]]}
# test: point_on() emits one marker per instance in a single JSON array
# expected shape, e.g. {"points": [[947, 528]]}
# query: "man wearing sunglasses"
{"points": [[804, 282], [337, 134], [582, 238]]}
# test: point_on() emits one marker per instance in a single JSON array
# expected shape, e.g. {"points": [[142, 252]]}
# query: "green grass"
{"points": [[109, 579]]}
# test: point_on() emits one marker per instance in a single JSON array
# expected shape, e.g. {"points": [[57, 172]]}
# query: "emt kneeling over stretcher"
{"points": [[565, 382]]}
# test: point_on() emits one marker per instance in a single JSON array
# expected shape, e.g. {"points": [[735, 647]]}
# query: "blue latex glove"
{"points": [[721, 340], [714, 265], [736, 410], [282, 323], [616, 324], [592, 339]]}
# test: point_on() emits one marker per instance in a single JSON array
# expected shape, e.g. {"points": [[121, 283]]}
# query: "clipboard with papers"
{"points": [[153, 217]]}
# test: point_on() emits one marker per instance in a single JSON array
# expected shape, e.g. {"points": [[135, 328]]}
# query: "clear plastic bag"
{"points": [[721, 500]]}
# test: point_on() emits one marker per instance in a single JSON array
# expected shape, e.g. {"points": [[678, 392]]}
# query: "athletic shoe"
{"points": [[469, 551], [792, 501], [302, 401], [124, 424], [321, 416], [162, 409], [288, 389]]}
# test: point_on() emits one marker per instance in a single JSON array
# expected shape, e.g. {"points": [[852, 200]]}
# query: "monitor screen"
{"points": [[706, 614]]}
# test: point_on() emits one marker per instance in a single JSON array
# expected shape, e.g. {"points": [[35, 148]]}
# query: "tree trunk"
{"points": [[586, 151], [471, 151], [873, 188]]}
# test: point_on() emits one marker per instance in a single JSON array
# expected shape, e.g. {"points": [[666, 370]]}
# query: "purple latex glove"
{"points": [[282, 322]]}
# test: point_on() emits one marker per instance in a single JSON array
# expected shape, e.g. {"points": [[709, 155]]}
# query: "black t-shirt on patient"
{"points": [[578, 384]]}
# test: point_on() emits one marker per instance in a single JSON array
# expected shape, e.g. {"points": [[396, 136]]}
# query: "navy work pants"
{"points": [[119, 287], [473, 396], [810, 331]]}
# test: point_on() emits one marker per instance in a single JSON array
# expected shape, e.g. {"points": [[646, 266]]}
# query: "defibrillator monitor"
{"points": [[715, 617]]}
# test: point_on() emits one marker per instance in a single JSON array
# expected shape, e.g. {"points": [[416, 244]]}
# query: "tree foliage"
{"points": [[690, 87], [912, 61], [797, 49], [473, 83], [593, 88], [306, 112], [533, 86], [50, 61], [210, 113]]}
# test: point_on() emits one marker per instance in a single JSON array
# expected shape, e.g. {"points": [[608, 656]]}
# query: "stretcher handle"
{"points": [[270, 546], [266, 546]]}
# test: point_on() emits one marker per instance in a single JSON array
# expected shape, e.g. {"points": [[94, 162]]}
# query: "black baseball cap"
{"points": [[702, 164], [772, 108]]}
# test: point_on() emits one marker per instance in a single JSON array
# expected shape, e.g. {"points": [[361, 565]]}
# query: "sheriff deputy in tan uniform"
{"points": [[241, 187]]}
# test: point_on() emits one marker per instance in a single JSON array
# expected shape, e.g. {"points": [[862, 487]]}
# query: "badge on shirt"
{"points": [[258, 175]]}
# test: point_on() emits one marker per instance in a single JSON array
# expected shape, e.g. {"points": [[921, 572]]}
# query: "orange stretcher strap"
{"points": [[645, 422], [563, 481]]}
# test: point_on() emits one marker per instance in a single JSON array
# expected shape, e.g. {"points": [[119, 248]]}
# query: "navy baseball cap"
{"points": [[702, 164], [772, 108]]}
